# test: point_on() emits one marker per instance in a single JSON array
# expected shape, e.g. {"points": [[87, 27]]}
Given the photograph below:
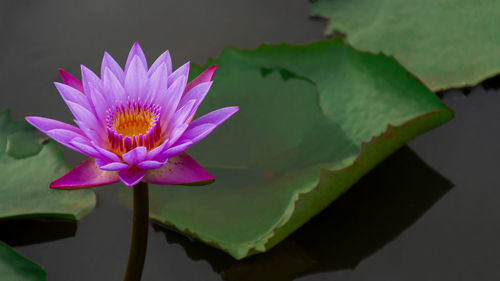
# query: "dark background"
{"points": [[429, 212]]}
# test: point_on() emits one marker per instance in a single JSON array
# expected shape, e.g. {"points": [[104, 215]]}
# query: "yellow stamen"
{"points": [[133, 122]]}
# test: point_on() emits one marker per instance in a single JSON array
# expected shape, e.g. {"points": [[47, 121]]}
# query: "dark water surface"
{"points": [[431, 211]]}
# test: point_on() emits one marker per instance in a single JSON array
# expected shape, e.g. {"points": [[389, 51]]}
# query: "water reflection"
{"points": [[20, 232], [371, 214]]}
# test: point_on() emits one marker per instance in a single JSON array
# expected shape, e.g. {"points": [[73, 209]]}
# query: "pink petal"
{"points": [[170, 100], [47, 124], [215, 117], [100, 104], [195, 134], [115, 166], [157, 83], [177, 133], [107, 155], [175, 150], [180, 116], [131, 176], [164, 151], [205, 76], [92, 134], [198, 93], [181, 169], [150, 164], [136, 79], [135, 155], [86, 174], [111, 166], [113, 87], [157, 150], [162, 59], [204, 125], [136, 51], [113, 66], [64, 137], [70, 80], [69, 93], [85, 147], [89, 79], [59, 131], [87, 118], [183, 70]]}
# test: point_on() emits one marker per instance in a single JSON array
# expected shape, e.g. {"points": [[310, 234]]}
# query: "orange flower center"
{"points": [[133, 122], [133, 126]]}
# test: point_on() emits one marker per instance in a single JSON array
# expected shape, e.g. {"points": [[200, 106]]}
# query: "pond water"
{"points": [[429, 212]]}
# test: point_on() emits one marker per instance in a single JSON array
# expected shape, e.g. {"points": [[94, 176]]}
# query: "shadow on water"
{"points": [[492, 83], [371, 214], [21, 232]]}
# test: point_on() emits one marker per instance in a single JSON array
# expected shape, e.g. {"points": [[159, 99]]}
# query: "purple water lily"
{"points": [[134, 123]]}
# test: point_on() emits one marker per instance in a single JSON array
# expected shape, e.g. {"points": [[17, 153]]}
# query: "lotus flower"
{"points": [[134, 123]]}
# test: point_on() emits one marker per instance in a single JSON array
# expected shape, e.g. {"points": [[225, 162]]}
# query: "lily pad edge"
{"points": [[290, 221], [28, 262], [47, 146], [333, 27], [400, 134]]}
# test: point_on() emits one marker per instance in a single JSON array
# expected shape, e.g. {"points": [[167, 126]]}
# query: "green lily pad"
{"points": [[27, 166], [15, 267], [313, 119], [445, 43]]}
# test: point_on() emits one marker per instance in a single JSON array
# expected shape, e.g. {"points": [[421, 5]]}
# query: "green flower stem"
{"points": [[139, 240]]}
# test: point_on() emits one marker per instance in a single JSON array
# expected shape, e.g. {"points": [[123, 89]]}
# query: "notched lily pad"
{"points": [[446, 43], [313, 119], [27, 166], [15, 267], [22, 144]]}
